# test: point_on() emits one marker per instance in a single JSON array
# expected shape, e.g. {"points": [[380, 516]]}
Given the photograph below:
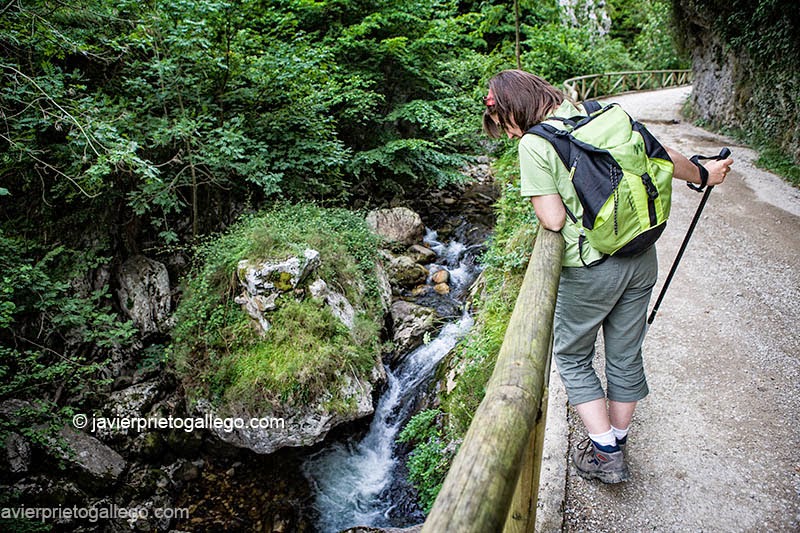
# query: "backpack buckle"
{"points": [[649, 186]]}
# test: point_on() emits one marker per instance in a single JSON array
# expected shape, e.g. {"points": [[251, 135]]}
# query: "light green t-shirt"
{"points": [[542, 172]]}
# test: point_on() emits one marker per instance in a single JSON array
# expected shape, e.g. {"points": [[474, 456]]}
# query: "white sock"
{"points": [[604, 439], [620, 434]]}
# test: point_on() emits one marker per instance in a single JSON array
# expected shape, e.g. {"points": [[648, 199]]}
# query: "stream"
{"points": [[357, 481]]}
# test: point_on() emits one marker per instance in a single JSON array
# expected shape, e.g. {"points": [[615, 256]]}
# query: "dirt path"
{"points": [[715, 445]]}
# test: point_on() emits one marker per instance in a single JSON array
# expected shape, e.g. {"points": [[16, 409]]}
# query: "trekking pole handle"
{"points": [[723, 154]]}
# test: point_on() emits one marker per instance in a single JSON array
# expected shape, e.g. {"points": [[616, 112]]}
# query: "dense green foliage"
{"points": [[762, 39], [220, 355], [161, 109], [644, 29]]}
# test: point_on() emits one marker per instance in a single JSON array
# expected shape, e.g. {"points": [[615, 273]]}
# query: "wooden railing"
{"points": [[493, 482], [597, 85]]}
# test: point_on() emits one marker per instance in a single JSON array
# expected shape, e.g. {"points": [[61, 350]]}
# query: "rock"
{"points": [[338, 303], [44, 491], [713, 72], [130, 402], [188, 443], [420, 290], [144, 293], [266, 281], [9, 409], [18, 453], [96, 466], [144, 480], [304, 426], [411, 322], [183, 470], [17, 456], [421, 254], [148, 519], [444, 304], [122, 364], [442, 288], [404, 273], [268, 277], [148, 446], [440, 276], [134, 400], [472, 234], [384, 286], [256, 306], [399, 224]]}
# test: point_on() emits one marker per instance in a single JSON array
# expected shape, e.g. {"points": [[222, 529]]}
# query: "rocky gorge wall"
{"points": [[746, 68]]}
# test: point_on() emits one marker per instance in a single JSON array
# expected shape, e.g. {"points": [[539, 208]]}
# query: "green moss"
{"points": [[281, 280], [307, 351]]}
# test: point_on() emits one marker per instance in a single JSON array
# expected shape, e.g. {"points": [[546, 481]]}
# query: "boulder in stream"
{"points": [[302, 426], [399, 224], [411, 322], [265, 282]]}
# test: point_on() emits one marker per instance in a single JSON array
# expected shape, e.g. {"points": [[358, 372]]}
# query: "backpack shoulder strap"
{"points": [[558, 138], [592, 106]]}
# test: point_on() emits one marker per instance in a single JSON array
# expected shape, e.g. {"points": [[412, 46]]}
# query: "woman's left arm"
{"points": [[550, 211]]}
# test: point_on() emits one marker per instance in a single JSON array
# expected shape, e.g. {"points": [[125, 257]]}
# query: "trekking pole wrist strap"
{"points": [[703, 174]]}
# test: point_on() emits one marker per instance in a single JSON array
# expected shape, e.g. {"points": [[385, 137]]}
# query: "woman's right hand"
{"points": [[717, 170]]}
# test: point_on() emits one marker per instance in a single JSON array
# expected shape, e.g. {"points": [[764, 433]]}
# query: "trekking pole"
{"points": [[724, 154]]}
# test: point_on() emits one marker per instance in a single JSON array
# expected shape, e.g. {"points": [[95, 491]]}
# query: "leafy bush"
{"points": [[429, 461], [54, 339], [307, 351], [556, 53], [655, 46]]}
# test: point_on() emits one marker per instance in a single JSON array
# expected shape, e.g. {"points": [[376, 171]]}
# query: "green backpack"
{"points": [[622, 176]]}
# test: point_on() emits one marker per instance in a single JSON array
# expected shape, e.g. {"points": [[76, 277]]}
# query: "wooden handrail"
{"points": [[597, 85], [488, 472]]}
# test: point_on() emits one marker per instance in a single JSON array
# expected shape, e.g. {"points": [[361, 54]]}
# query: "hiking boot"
{"points": [[592, 463]]}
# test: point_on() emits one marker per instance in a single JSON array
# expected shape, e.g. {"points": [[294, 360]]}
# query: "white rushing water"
{"points": [[352, 478]]}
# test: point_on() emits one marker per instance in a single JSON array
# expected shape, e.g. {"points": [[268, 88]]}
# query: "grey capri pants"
{"points": [[615, 295]]}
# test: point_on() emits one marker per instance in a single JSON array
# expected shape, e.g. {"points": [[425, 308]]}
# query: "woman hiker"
{"points": [[613, 293]]}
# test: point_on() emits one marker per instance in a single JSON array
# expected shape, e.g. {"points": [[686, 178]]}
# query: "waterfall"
{"points": [[352, 479]]}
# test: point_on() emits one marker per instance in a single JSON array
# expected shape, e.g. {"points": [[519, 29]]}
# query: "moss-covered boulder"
{"points": [[318, 363]]}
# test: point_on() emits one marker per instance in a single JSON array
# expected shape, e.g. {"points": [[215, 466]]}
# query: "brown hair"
{"points": [[520, 98]]}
